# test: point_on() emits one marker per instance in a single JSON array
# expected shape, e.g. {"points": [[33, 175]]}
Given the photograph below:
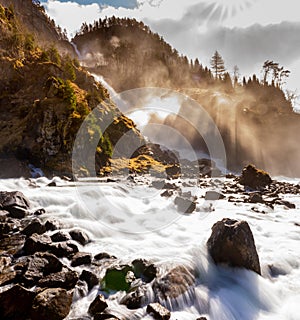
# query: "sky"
{"points": [[245, 32]]}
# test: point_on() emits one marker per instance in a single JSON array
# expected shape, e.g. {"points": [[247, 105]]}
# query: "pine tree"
{"points": [[217, 65]]}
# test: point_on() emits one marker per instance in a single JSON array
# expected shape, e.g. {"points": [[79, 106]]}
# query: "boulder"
{"points": [[144, 269], [103, 256], [66, 279], [79, 236], [81, 258], [60, 236], [136, 298], [254, 178], [232, 243], [173, 171], [255, 197], [98, 305], [53, 303], [36, 226], [63, 249], [13, 199], [15, 303], [37, 243], [185, 205], [90, 278], [158, 312], [213, 195], [175, 283]]}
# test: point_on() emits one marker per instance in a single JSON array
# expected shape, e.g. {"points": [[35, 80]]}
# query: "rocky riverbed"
{"points": [[59, 261]]}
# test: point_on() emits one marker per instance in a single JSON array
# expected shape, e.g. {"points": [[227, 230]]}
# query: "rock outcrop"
{"points": [[232, 243], [254, 178]]}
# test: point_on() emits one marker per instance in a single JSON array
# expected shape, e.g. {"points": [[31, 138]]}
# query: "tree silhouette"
{"points": [[217, 64]]}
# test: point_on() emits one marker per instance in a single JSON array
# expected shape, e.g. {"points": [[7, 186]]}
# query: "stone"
{"points": [[232, 243], [157, 311], [52, 303], [63, 249], [255, 197], [173, 171], [98, 305], [40, 265], [39, 212], [12, 243], [66, 279], [52, 224], [15, 303], [90, 278], [35, 226], [214, 195], [60, 236], [79, 236], [13, 199], [17, 212], [81, 258], [144, 270], [254, 178], [185, 205], [167, 193], [37, 243], [104, 255], [175, 283], [136, 298]]}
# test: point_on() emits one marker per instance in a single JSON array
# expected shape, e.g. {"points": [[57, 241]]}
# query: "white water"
{"points": [[219, 293]]}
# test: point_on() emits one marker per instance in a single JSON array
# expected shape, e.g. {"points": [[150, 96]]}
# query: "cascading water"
{"points": [[170, 239]]}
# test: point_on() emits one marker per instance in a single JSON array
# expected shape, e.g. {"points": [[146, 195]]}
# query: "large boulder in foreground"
{"points": [[254, 178], [51, 304], [232, 243]]}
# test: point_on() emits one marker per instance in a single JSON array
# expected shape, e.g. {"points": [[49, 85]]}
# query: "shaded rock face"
{"points": [[185, 205], [51, 304], [15, 203], [254, 178], [15, 303], [232, 243], [175, 283], [98, 305]]}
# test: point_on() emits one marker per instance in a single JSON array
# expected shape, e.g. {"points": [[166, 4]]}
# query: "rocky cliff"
{"points": [[44, 98]]}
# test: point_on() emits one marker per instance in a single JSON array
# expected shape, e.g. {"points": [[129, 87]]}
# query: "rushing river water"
{"points": [[131, 220]]}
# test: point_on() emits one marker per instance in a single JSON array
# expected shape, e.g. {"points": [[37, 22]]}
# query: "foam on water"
{"points": [[219, 293]]}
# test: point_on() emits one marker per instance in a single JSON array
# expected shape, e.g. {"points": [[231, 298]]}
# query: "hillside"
{"points": [[129, 55], [44, 98]]}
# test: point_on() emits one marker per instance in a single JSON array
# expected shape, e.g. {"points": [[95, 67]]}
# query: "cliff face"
{"points": [[45, 97]]}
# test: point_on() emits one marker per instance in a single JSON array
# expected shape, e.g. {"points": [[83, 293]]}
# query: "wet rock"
{"points": [[90, 278], [117, 278], [255, 198], [17, 212], [51, 184], [158, 312], [231, 242], [175, 283], [167, 193], [286, 204], [104, 255], [79, 236], [15, 303], [254, 178], [12, 244], [136, 298], [37, 243], [81, 258], [63, 249], [35, 226], [173, 171], [13, 199], [39, 212], [7, 274], [202, 318], [144, 269], [53, 303], [185, 205], [66, 279], [214, 195], [60, 236], [52, 224], [98, 305], [40, 265]]}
